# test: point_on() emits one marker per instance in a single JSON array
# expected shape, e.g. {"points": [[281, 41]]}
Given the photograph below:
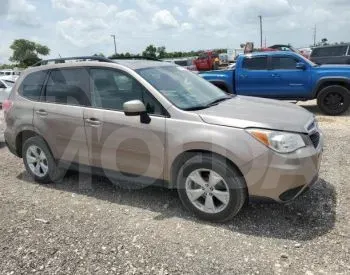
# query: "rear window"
{"points": [[68, 86], [255, 63], [330, 51], [32, 85]]}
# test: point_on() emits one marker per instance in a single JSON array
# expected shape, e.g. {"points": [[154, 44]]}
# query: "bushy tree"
{"points": [[26, 53], [151, 51]]}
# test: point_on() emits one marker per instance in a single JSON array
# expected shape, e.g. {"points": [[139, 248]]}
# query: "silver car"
{"points": [[150, 122]]}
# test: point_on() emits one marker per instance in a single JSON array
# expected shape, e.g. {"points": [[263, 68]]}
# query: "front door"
{"points": [[120, 143], [287, 80]]}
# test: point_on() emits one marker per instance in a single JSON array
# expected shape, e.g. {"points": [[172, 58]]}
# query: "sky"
{"points": [[84, 27]]}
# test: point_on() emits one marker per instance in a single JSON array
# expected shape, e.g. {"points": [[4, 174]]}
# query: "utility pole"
{"points": [[265, 42], [261, 37], [315, 31], [115, 45]]}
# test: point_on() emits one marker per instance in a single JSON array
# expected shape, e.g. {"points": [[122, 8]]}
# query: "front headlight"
{"points": [[282, 142]]}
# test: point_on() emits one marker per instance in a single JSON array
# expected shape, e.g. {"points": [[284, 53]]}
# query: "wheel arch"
{"points": [[24, 134], [330, 81], [186, 155], [221, 85]]}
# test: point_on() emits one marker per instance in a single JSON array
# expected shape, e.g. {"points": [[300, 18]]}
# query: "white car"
{"points": [[9, 74], [5, 89]]}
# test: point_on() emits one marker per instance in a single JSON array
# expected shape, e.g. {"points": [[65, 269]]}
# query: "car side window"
{"points": [[68, 86], [32, 85], [283, 63], [2, 85], [255, 63], [112, 88]]}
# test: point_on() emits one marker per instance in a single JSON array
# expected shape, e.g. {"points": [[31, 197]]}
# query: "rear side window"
{"points": [[32, 85], [283, 63], [330, 51], [68, 86], [255, 63]]}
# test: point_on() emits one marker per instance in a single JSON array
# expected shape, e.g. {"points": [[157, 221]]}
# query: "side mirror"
{"points": [[301, 66], [134, 108]]}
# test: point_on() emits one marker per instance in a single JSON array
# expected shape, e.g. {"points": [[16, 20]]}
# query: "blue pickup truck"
{"points": [[287, 76]]}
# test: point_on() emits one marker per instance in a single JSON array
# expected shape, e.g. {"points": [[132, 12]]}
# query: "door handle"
{"points": [[275, 75], [93, 122], [41, 112], [243, 76]]}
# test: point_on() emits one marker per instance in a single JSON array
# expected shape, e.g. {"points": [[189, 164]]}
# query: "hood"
{"points": [[251, 112], [334, 68]]}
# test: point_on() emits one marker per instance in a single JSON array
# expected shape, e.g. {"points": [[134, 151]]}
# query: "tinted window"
{"points": [[111, 89], [68, 86], [32, 85], [255, 63], [283, 63], [330, 51]]}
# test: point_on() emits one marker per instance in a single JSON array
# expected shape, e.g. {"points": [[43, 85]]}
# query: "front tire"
{"points": [[39, 161], [211, 188], [334, 100]]}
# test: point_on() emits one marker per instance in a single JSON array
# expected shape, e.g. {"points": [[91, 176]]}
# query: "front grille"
{"points": [[315, 139]]}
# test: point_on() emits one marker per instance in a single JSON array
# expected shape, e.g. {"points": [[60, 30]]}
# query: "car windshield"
{"points": [[183, 88]]}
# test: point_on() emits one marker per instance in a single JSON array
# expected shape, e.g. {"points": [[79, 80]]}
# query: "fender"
{"points": [[322, 80]]}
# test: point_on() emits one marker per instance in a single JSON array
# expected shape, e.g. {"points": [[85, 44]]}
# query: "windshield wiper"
{"points": [[217, 101], [213, 103]]}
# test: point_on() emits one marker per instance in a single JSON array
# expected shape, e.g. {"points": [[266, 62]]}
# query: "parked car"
{"points": [[207, 61], [335, 54], [186, 62], [5, 89], [142, 121], [289, 76], [9, 74]]}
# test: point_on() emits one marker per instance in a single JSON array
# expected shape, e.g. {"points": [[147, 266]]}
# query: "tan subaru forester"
{"points": [[147, 121]]}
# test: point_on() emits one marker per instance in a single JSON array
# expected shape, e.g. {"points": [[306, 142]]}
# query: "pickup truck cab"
{"points": [[288, 76]]}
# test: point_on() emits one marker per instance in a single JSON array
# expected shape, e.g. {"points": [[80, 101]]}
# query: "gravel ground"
{"points": [[80, 228]]}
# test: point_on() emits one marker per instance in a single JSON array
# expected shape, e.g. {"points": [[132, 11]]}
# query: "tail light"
{"points": [[6, 105]]}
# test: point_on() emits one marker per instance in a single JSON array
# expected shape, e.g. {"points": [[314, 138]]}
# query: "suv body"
{"points": [[335, 54], [137, 121]]}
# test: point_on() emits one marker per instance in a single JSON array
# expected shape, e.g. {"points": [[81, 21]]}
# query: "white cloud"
{"points": [[164, 19], [86, 8], [23, 13]]}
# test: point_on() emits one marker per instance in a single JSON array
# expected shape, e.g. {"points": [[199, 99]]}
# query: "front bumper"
{"points": [[283, 177]]}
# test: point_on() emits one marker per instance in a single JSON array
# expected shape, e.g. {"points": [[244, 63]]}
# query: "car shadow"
{"points": [[307, 217]]}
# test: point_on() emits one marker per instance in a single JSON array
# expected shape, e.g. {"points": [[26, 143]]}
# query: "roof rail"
{"points": [[77, 58], [135, 57]]}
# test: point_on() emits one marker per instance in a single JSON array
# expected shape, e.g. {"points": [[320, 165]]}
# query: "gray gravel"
{"points": [[81, 228]]}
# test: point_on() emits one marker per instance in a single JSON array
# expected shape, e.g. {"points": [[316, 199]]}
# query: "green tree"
{"points": [[150, 52], [161, 52], [26, 52]]}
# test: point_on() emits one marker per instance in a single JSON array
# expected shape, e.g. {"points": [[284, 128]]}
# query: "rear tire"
{"points": [[216, 202], [333, 100], [39, 161]]}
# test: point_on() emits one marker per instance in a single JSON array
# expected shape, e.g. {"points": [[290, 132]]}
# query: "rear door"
{"points": [[286, 80], [253, 77], [59, 115]]}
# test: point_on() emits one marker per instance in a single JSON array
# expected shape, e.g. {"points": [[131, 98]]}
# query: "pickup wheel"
{"points": [[333, 100], [211, 188]]}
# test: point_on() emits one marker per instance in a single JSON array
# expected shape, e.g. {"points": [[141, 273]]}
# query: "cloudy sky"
{"points": [[83, 27]]}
